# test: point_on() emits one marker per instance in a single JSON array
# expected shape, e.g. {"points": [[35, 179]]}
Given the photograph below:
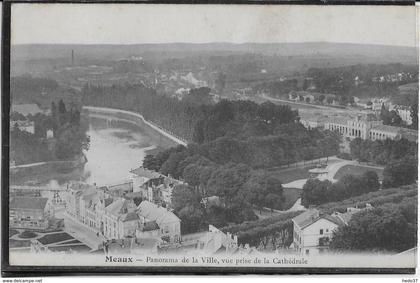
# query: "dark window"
{"points": [[321, 231], [307, 252]]}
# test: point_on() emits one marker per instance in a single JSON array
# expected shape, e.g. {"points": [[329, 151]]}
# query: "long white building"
{"points": [[364, 129]]}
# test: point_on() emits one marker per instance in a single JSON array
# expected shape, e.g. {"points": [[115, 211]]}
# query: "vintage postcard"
{"points": [[233, 137]]}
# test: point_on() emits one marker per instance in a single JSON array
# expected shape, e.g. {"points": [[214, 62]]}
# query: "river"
{"points": [[116, 147]]}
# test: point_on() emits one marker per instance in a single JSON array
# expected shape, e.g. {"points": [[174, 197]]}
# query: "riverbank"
{"points": [[131, 117], [43, 172]]}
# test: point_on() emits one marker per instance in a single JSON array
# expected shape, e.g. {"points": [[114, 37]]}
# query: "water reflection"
{"points": [[113, 153]]}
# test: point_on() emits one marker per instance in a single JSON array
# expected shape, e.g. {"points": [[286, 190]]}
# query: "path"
{"points": [[331, 168], [150, 124], [27, 165], [297, 206]]}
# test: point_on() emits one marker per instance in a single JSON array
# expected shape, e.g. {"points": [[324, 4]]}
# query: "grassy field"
{"points": [[291, 174], [357, 170]]}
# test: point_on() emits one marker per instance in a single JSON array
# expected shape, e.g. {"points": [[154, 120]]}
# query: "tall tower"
{"points": [[72, 57]]}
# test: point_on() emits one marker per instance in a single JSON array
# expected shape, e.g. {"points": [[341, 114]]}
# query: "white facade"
{"points": [[358, 128], [306, 239]]}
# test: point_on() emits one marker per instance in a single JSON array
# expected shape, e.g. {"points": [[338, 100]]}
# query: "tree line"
{"points": [[399, 156], [387, 228]]}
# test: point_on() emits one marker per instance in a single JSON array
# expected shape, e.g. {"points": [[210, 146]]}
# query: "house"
{"points": [[25, 125], [29, 213], [169, 223], [313, 231], [350, 211], [120, 189], [404, 112], [153, 186], [141, 175], [120, 219]]}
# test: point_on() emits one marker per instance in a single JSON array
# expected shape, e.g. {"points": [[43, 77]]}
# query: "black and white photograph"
{"points": [[212, 136]]}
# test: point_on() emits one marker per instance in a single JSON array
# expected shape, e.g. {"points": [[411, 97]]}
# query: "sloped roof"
{"points": [[306, 217], [333, 219], [154, 213], [131, 216], [123, 186], [311, 216], [107, 201], [142, 172], [28, 203], [345, 217], [118, 207]]}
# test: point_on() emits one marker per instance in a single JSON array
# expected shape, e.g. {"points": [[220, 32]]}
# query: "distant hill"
{"points": [[374, 53]]}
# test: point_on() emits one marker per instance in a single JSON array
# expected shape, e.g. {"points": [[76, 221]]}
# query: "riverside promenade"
{"points": [[164, 132]]}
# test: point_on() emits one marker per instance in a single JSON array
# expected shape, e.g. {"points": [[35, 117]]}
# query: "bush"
{"points": [[27, 234], [344, 155]]}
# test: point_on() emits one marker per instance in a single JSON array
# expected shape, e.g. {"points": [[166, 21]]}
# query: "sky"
{"points": [[158, 23]]}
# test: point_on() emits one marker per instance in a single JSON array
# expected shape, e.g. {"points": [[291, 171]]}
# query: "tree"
{"points": [[263, 190], [371, 181], [198, 96], [70, 143], [220, 82], [321, 98], [399, 173], [183, 195], [62, 112], [227, 180], [192, 219], [330, 100], [380, 229], [414, 113], [315, 192], [151, 163]]}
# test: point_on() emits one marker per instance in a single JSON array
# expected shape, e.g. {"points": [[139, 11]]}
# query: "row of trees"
{"points": [[316, 192], [276, 231], [170, 113]]}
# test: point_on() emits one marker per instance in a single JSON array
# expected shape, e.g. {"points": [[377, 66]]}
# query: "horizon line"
{"points": [[217, 42]]}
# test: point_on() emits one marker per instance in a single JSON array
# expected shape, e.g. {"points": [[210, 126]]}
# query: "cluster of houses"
{"points": [[397, 77], [131, 217], [139, 208], [312, 97], [313, 231]]}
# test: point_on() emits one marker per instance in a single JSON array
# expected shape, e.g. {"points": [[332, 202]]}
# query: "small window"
{"points": [[326, 230], [307, 252], [321, 231]]}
